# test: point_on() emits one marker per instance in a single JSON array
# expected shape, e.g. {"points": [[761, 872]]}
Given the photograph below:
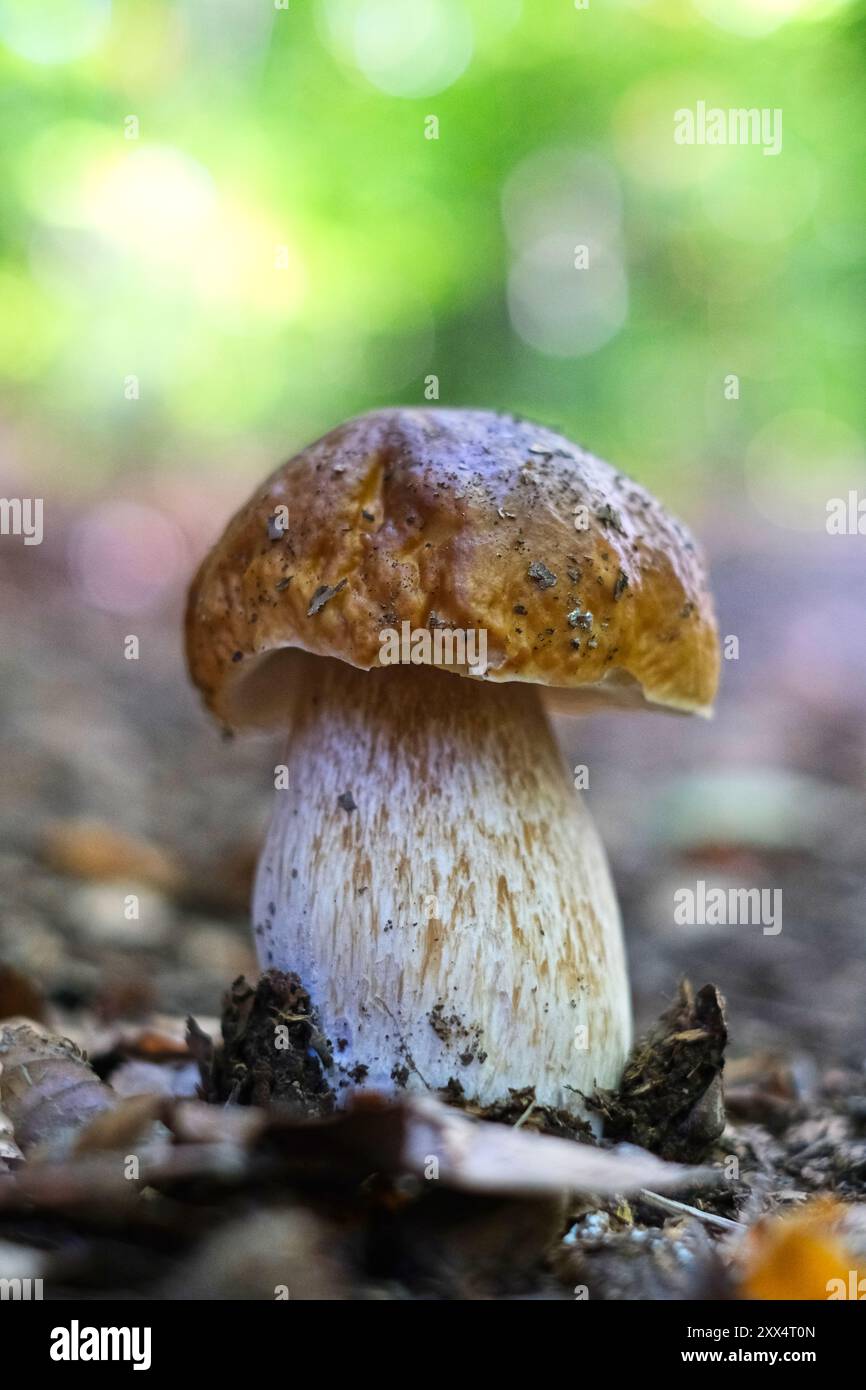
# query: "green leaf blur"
{"points": [[282, 245]]}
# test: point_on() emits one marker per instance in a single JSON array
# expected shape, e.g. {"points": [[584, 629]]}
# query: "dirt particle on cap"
{"points": [[347, 801], [543, 577], [323, 595], [609, 516]]}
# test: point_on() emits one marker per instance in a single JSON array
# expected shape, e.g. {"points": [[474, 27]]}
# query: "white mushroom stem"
{"points": [[458, 920]]}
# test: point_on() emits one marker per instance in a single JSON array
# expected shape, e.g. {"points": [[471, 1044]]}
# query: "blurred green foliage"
{"points": [[280, 244]]}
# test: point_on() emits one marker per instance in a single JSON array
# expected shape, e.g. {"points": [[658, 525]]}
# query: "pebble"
{"points": [[218, 950], [31, 946], [98, 911]]}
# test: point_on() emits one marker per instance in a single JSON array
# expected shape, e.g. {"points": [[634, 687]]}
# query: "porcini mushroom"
{"points": [[429, 872]]}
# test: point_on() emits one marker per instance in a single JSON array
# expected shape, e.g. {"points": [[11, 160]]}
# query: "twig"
{"points": [[682, 1209]]}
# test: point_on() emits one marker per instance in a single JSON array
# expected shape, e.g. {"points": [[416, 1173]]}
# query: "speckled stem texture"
{"points": [[441, 889]]}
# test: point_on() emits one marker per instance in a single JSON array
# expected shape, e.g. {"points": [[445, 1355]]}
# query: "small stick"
{"points": [[681, 1209]]}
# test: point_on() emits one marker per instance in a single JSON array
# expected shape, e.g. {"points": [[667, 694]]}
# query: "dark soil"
{"points": [[671, 1098], [273, 1051]]}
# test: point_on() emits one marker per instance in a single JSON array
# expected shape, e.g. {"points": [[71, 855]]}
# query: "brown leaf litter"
{"points": [[264, 1188]]}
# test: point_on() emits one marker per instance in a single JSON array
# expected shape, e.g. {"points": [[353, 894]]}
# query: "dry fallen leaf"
{"points": [[416, 1136], [467, 1205], [48, 1090], [9, 1150], [90, 849], [479, 1157], [801, 1255], [127, 1124]]}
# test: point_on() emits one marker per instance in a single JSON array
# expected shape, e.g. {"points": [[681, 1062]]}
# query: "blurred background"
{"points": [[227, 226]]}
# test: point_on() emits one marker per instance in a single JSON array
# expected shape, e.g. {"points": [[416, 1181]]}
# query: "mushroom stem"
{"points": [[441, 889]]}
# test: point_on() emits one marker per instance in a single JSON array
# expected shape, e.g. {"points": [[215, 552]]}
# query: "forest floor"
{"points": [[754, 1080]]}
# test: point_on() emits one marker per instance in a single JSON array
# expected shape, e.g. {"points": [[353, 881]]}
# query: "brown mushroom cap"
{"points": [[461, 518]]}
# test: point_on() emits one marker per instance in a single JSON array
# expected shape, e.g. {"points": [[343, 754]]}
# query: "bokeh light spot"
{"points": [[760, 199], [156, 201], [54, 31], [754, 18], [405, 49], [561, 310], [559, 189]]}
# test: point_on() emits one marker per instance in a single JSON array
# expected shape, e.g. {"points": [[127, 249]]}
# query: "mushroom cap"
{"points": [[464, 519]]}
